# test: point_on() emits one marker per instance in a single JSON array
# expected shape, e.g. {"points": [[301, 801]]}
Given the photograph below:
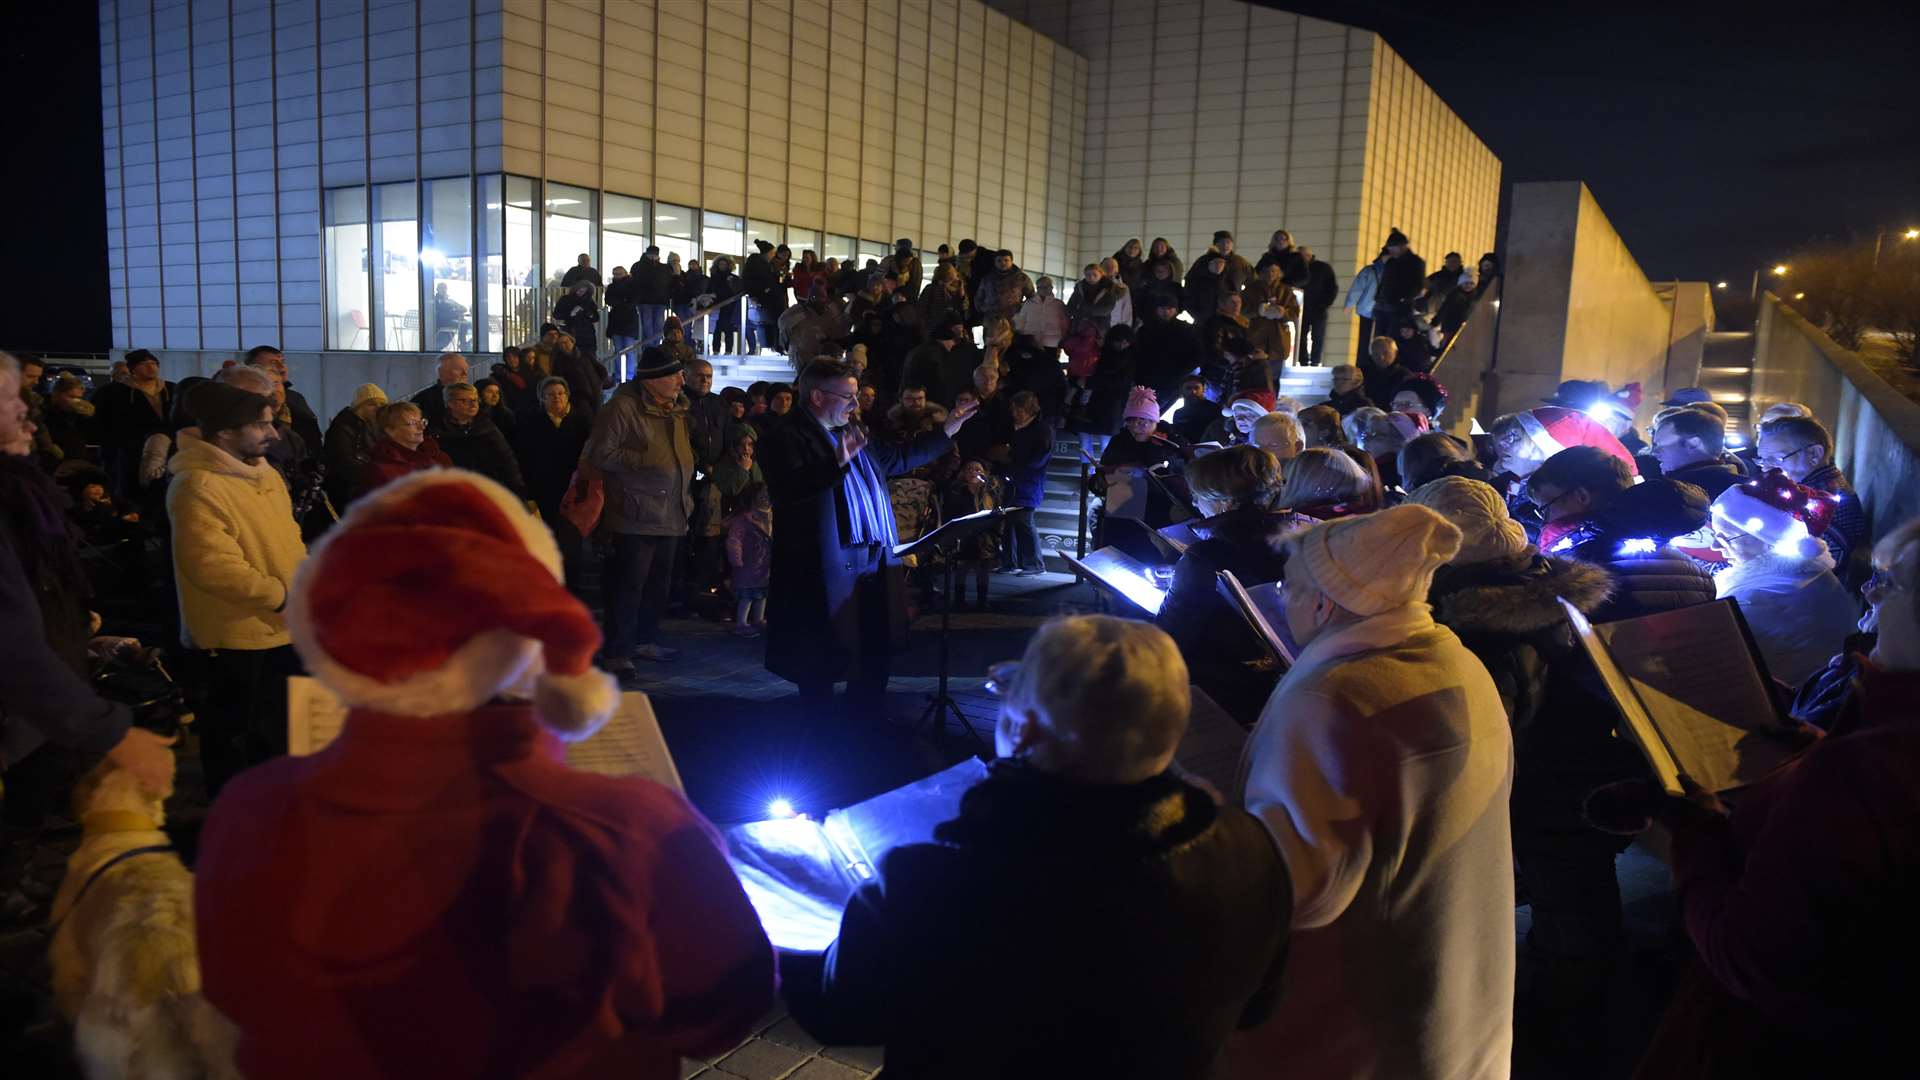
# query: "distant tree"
{"points": [[1848, 290], [1894, 304]]}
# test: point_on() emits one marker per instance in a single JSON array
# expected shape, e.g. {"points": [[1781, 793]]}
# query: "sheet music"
{"points": [[629, 744], [1690, 691], [1212, 746]]}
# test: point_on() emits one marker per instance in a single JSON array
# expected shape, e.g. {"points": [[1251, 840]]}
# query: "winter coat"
{"points": [[507, 914], [480, 447], [584, 378], [1213, 637], [902, 426], [814, 632], [623, 307], [647, 456], [1380, 380], [729, 480], [576, 274], [1178, 268], [549, 454], [1382, 766], [1321, 288], [1402, 278], [1273, 336], [390, 461], [1629, 538], [1111, 383], [1029, 449], [690, 286], [577, 315], [1044, 319], [1154, 294], [1349, 401], [348, 448], [961, 500], [750, 549], [518, 389], [301, 416], [805, 278], [1364, 288], [45, 695], [1122, 931], [1031, 368], [1798, 611], [652, 282], [1000, 295], [1204, 289], [72, 426], [235, 547], [1712, 477], [1094, 303], [1799, 907], [1293, 265], [936, 301], [1164, 355], [126, 417], [1507, 612]]}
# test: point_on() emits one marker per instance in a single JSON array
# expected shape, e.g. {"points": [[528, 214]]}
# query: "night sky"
{"points": [[1717, 137]]}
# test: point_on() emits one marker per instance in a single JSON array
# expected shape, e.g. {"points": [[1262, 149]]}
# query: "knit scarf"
{"points": [[864, 494]]}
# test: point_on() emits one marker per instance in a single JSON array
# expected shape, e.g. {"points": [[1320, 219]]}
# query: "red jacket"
{"points": [[444, 897], [390, 461]]}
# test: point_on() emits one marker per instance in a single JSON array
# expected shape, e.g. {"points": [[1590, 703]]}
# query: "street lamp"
{"points": [[1719, 284], [1779, 269], [1911, 234], [1799, 296]]}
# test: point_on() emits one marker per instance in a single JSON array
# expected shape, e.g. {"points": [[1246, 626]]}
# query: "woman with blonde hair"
{"points": [[1324, 484]]}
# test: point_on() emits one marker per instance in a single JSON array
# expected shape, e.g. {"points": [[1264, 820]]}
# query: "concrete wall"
{"points": [[1577, 305], [326, 379], [1217, 114], [929, 119], [1876, 429], [1690, 311]]}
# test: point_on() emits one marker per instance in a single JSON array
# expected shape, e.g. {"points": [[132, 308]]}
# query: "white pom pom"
{"points": [[574, 706]]}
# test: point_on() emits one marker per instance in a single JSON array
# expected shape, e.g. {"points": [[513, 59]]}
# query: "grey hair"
{"points": [[447, 391], [541, 390], [1110, 693], [248, 377]]}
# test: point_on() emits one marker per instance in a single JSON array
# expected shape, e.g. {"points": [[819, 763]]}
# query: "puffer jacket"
{"points": [[349, 446], [646, 451], [235, 547], [1630, 537]]}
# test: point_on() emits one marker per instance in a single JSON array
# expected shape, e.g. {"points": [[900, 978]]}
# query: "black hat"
{"points": [[1687, 395], [1579, 393], [656, 362], [217, 407], [140, 355], [763, 246], [1222, 235], [903, 242], [1396, 238], [653, 249]]}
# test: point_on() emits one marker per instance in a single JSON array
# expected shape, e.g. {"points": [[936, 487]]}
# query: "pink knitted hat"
{"points": [[1142, 405]]}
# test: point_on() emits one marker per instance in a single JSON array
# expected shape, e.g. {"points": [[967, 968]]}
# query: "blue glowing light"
{"points": [[780, 808], [1644, 545]]}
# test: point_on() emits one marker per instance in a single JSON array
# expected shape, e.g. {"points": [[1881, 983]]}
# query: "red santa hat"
{"points": [[1789, 518], [439, 591], [1554, 428]]}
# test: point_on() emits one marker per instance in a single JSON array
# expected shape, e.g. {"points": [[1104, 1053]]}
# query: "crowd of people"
{"points": [[1440, 748]]}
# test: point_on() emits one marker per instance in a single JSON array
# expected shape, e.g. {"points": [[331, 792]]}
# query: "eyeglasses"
{"points": [[1000, 677], [1880, 582], [1777, 460], [838, 394], [1543, 507]]}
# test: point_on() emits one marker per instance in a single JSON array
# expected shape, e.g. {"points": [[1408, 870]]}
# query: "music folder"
{"points": [[1693, 694], [1121, 578], [1271, 637], [951, 534]]}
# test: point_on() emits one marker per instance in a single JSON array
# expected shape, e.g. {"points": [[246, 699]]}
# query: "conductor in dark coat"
{"points": [[841, 594]]}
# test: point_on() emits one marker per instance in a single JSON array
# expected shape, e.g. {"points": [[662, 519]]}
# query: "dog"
{"points": [[125, 972]]}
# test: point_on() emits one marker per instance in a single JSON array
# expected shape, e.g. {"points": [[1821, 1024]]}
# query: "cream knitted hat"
{"points": [[1374, 563], [1486, 531]]}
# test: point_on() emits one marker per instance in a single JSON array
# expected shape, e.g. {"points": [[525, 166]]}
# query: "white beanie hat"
{"points": [[1374, 563], [1487, 532]]}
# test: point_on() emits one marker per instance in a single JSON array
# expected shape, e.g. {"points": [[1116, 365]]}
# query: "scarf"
{"points": [[36, 510], [863, 495]]}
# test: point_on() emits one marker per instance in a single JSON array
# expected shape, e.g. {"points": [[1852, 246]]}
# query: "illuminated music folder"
{"points": [[1122, 578], [1261, 616], [1693, 694]]}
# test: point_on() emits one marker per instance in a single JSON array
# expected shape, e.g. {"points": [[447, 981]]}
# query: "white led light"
{"points": [[1641, 546], [779, 808], [1754, 524]]}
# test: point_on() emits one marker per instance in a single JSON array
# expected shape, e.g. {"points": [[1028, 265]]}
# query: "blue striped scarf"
{"points": [[864, 500]]}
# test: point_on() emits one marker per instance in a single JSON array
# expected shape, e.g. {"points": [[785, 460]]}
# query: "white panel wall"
{"points": [[223, 121]]}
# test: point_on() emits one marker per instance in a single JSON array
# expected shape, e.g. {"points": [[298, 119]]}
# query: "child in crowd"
{"points": [[973, 490], [750, 555]]}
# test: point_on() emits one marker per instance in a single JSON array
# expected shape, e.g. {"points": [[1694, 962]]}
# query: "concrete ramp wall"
{"points": [[1578, 306], [1876, 429]]}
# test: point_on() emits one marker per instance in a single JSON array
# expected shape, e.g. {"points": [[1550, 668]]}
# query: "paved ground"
{"points": [[739, 743]]}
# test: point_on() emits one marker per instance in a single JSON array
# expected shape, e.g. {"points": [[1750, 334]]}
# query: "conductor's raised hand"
{"points": [[853, 439], [958, 416]]}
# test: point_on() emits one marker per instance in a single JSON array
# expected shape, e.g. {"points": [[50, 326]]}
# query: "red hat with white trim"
{"points": [[438, 592], [1553, 429]]}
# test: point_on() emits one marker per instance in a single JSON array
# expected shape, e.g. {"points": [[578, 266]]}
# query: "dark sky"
{"points": [[1717, 137]]}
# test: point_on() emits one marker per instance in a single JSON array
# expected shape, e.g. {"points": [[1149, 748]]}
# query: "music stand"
{"points": [[946, 540]]}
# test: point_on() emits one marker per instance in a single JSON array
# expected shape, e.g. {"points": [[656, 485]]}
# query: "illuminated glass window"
{"points": [[349, 326], [446, 254], [396, 267], [623, 232]]}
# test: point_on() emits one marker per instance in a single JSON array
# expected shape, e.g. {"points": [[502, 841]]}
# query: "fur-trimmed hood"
{"points": [[1517, 596]]}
